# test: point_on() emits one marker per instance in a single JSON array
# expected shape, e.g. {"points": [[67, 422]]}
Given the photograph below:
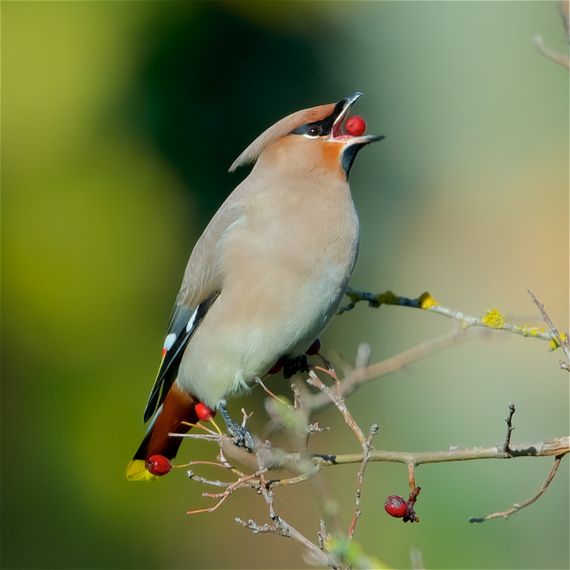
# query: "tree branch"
{"points": [[493, 319], [334, 549], [518, 506], [282, 528], [360, 375], [545, 448]]}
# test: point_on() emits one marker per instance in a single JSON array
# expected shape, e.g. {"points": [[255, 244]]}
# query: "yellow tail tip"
{"points": [[137, 471]]}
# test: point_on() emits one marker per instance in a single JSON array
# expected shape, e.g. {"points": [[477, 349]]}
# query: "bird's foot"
{"points": [[241, 436]]}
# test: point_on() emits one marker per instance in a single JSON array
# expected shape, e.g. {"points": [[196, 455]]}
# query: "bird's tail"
{"points": [[177, 410]]}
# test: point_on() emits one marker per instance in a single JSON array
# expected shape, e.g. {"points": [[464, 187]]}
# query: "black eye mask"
{"points": [[323, 127]]}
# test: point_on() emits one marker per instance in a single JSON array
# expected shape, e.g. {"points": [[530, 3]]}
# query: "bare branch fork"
{"points": [[507, 449], [518, 506]]}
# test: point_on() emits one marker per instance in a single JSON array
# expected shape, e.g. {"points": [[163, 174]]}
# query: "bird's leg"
{"points": [[327, 363], [295, 364], [241, 436]]}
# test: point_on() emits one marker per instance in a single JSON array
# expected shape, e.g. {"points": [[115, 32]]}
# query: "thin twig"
{"points": [[223, 496], [359, 376], [510, 428], [412, 476], [322, 535], [205, 481], [206, 437], [558, 339], [282, 528], [367, 449], [338, 401], [518, 506], [258, 380]]}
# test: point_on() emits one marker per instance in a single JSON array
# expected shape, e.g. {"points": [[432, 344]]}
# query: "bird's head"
{"points": [[313, 139]]}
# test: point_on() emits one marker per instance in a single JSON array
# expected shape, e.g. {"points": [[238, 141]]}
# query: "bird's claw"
{"points": [[241, 436]]}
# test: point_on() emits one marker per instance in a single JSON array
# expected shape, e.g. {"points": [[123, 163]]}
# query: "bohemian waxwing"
{"points": [[266, 276]]}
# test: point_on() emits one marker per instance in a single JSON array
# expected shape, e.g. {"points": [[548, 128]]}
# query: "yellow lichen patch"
{"points": [[493, 319], [427, 301], [555, 342], [527, 330]]}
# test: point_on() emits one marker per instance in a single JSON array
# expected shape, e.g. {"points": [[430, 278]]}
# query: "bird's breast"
{"points": [[289, 260], [298, 234]]}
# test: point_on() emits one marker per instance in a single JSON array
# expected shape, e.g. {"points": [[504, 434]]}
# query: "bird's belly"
{"points": [[273, 318]]}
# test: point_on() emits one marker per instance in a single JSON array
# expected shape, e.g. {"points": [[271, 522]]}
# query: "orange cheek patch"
{"points": [[331, 155]]}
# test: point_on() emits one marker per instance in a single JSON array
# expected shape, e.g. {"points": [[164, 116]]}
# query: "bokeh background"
{"points": [[119, 120]]}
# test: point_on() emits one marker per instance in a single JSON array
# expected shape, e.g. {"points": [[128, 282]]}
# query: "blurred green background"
{"points": [[119, 121]]}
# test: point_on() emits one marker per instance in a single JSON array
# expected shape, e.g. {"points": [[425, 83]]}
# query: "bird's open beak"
{"points": [[337, 131]]}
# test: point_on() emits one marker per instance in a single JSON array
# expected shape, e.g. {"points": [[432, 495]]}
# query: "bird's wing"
{"points": [[201, 286], [183, 323]]}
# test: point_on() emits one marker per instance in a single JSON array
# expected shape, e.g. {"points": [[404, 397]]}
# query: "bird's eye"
{"points": [[311, 130], [315, 131]]}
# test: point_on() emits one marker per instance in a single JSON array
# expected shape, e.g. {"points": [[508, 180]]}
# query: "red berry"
{"points": [[355, 126], [396, 506], [158, 465], [315, 348], [203, 412]]}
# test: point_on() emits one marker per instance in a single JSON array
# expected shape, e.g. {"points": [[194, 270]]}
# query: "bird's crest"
{"points": [[280, 129]]}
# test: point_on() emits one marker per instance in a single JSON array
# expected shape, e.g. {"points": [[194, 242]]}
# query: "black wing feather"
{"points": [[179, 320]]}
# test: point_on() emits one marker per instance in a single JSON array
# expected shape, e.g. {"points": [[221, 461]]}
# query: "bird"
{"points": [[264, 279]]}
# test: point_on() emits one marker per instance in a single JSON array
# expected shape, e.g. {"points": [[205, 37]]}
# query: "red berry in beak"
{"points": [[203, 412], [396, 506], [355, 126], [158, 465]]}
